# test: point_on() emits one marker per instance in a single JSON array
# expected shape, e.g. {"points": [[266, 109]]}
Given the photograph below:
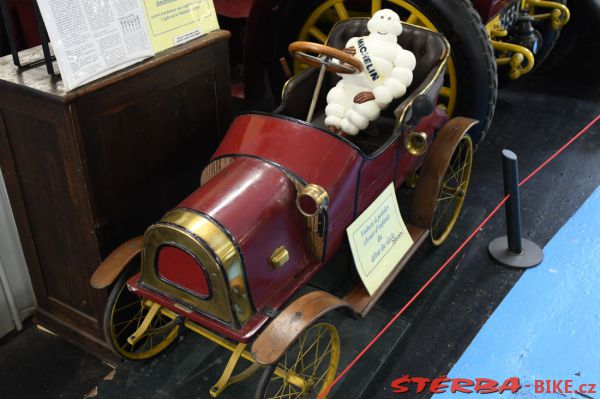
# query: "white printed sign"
{"points": [[92, 38], [379, 239]]}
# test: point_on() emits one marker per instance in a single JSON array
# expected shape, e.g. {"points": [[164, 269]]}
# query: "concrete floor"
{"points": [[534, 117]]}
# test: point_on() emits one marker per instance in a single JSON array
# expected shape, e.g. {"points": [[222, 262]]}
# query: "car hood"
{"points": [[254, 202]]}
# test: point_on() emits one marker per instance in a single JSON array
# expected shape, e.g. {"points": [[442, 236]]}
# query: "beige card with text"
{"points": [[379, 239]]}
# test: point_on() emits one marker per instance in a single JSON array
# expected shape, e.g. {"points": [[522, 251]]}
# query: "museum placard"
{"points": [[174, 22], [92, 39], [378, 240]]}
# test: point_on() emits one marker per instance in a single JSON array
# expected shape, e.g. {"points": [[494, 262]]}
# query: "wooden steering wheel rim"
{"points": [[299, 49]]}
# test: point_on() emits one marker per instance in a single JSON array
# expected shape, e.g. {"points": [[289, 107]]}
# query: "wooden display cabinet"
{"points": [[90, 168]]}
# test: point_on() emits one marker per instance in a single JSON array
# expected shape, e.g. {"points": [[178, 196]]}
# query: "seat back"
{"points": [[431, 51]]}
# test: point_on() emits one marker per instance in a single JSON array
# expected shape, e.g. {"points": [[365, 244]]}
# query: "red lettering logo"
{"points": [[438, 385]]}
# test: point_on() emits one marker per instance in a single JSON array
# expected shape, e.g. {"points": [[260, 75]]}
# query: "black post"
{"points": [[10, 33], [12, 40], [44, 39], [510, 169], [513, 250]]}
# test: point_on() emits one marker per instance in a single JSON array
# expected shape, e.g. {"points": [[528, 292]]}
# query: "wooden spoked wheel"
{"points": [[452, 191], [124, 313], [307, 368]]}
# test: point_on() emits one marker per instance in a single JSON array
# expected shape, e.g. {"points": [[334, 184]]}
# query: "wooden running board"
{"points": [[359, 297]]}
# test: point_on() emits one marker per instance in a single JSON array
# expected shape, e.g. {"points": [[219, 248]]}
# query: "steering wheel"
{"points": [[306, 53]]}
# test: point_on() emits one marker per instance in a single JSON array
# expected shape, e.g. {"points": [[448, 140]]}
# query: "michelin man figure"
{"points": [[358, 99]]}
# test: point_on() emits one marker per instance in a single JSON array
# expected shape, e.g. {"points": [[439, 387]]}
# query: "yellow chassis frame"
{"points": [[514, 54], [238, 351]]}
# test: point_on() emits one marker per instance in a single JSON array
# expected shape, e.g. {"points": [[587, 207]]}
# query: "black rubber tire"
{"points": [[456, 19], [263, 381], [129, 271]]}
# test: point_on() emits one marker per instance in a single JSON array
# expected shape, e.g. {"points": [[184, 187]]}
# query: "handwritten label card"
{"points": [[379, 239], [173, 22]]}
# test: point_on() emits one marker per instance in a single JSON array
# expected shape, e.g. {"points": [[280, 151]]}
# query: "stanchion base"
{"points": [[531, 256]]}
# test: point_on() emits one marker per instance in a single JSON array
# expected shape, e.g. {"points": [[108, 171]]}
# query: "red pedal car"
{"points": [[272, 209]]}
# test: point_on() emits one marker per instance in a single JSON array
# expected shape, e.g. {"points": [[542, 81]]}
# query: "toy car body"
{"points": [[493, 41], [272, 210]]}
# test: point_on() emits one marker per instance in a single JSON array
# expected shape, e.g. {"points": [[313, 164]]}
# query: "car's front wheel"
{"points": [[125, 312]]}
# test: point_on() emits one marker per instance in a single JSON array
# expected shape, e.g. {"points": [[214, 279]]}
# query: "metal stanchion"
{"points": [[513, 250]]}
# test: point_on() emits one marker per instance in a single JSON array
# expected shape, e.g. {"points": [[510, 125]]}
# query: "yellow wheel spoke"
{"points": [[445, 198], [280, 390], [445, 92], [321, 377], [413, 19], [137, 317], [375, 6], [340, 8], [301, 355], [126, 306], [456, 172], [318, 361], [316, 354], [318, 34]]}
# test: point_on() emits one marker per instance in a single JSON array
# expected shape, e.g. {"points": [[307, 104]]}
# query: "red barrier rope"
{"points": [[451, 258]]}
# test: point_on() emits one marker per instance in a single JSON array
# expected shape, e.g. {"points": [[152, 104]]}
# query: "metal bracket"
{"points": [[519, 55], [559, 15], [143, 328], [227, 379]]}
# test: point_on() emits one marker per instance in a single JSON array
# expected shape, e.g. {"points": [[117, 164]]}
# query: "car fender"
{"points": [[110, 269], [434, 168], [281, 333]]}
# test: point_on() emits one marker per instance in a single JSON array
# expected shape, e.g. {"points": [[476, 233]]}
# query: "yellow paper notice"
{"points": [[378, 239], [173, 22]]}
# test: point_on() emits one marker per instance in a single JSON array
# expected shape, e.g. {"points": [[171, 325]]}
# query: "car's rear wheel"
{"points": [[471, 80], [307, 368], [452, 191], [125, 312]]}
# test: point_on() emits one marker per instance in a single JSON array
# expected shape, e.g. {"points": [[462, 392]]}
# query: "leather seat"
{"points": [[431, 51]]}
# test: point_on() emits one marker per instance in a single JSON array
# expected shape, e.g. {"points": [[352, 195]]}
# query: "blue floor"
{"points": [[548, 327]]}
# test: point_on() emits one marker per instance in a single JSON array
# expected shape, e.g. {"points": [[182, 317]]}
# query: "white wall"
{"points": [[16, 293]]}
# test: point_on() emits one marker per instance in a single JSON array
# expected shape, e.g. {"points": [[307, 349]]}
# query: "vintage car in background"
{"points": [[232, 261], [489, 39]]}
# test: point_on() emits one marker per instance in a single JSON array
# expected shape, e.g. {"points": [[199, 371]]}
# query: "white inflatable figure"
{"points": [[358, 99]]}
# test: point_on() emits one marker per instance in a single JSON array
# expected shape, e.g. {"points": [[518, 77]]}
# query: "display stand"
{"points": [[90, 168]]}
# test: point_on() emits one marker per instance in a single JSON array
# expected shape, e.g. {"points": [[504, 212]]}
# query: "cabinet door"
{"points": [[44, 175]]}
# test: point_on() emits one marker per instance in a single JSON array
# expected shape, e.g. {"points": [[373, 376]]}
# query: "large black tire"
{"points": [[456, 19]]}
